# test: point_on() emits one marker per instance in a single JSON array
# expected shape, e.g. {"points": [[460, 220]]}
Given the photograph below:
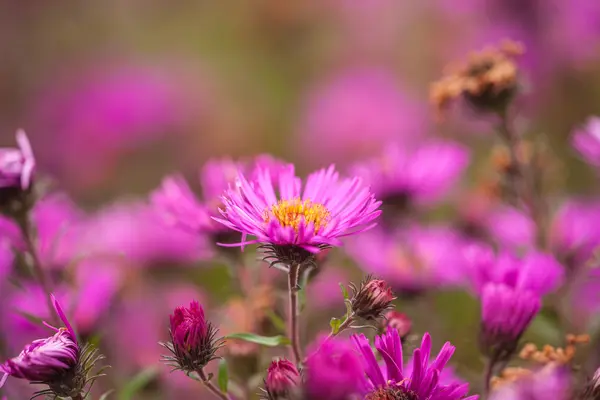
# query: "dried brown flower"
{"points": [[487, 81]]}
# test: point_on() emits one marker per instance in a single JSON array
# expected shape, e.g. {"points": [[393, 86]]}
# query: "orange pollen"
{"points": [[293, 212]]}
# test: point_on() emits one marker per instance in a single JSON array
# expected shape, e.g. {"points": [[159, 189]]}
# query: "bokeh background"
{"points": [[116, 94]]}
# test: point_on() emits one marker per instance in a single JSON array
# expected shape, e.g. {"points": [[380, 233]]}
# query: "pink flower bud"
{"points": [[282, 378]]}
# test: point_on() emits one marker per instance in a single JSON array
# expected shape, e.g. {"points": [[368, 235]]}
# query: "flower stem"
{"points": [[24, 223], [294, 329], [77, 397], [488, 371], [343, 326], [211, 387]]}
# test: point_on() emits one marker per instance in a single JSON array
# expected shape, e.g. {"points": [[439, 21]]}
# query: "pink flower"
{"points": [[17, 165], [586, 140], [327, 209]]}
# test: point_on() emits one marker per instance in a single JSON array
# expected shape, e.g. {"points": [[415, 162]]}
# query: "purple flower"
{"points": [[46, 360], [575, 232], [506, 313], [180, 205], [537, 272], [411, 259], [17, 165], [334, 370], [338, 118], [328, 209], [586, 140], [393, 381], [282, 378], [193, 339], [422, 174], [550, 382]]}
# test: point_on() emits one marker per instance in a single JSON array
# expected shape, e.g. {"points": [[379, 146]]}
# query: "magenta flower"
{"points": [[328, 209], [17, 165], [537, 272], [506, 313], [334, 370], [423, 174], [399, 322], [550, 382], [586, 140], [393, 382], [282, 378], [49, 360], [193, 339]]}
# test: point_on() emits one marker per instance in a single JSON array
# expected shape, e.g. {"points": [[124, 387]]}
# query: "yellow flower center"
{"points": [[293, 212]]}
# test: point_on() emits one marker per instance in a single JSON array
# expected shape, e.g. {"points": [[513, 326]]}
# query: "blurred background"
{"points": [[116, 94]]}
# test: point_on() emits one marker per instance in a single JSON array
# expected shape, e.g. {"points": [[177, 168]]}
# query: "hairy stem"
{"points": [[211, 387], [293, 326], [24, 223]]}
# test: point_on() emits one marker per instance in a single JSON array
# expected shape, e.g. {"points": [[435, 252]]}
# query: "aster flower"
{"points": [[371, 299], [282, 379], [17, 165], [505, 314], [334, 370], [193, 339], [391, 382], [296, 224], [404, 175], [57, 361]]}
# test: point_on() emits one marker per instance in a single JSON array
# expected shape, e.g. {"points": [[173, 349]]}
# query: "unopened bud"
{"points": [[282, 379], [372, 299]]}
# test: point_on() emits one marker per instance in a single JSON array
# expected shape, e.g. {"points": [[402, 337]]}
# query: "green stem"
{"points": [[294, 329]]}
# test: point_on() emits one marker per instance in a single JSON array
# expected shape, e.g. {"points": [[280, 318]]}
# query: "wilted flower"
{"points": [[395, 320], [299, 223], [17, 165], [505, 314], [282, 379], [372, 299], [193, 339], [488, 81], [334, 370], [391, 382], [586, 140], [57, 361]]}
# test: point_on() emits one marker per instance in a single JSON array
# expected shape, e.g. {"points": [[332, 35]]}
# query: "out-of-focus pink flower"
{"points": [[411, 259], [586, 140], [324, 290], [584, 303], [421, 174], [510, 227], [355, 113], [550, 382], [575, 232], [6, 261], [536, 271], [17, 165], [137, 232]]}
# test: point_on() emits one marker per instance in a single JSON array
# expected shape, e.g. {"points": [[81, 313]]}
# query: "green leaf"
{"points": [[106, 394], [223, 378], [335, 325], [344, 291], [138, 383], [269, 341]]}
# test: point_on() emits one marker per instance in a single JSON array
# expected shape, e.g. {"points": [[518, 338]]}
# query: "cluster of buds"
{"points": [[371, 299], [556, 355], [487, 81], [57, 361], [194, 340]]}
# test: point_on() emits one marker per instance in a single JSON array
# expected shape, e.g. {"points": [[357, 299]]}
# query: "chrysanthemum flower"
{"points": [[505, 314], [391, 382], [293, 223]]}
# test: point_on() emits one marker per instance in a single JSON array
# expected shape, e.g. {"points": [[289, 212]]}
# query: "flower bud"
{"points": [[397, 321], [505, 314], [193, 342], [372, 299], [282, 379]]}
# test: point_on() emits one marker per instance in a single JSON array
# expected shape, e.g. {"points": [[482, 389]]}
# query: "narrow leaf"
{"points": [[344, 291], [276, 320], [335, 325], [138, 383], [223, 378], [269, 341]]}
